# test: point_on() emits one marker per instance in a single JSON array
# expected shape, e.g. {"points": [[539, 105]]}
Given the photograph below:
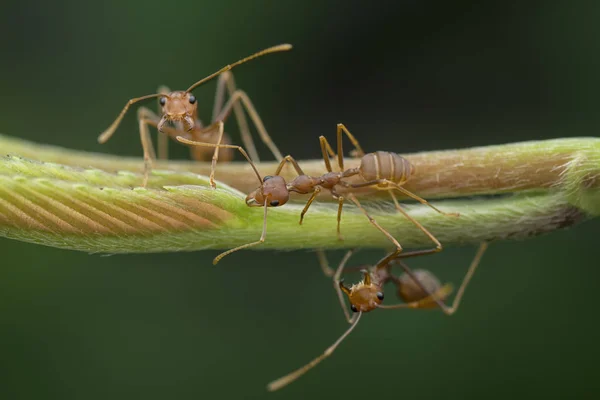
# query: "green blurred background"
{"points": [[404, 76]]}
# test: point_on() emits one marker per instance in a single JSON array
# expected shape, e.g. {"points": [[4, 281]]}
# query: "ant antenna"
{"points": [[274, 49], [291, 377], [104, 136], [226, 146]]}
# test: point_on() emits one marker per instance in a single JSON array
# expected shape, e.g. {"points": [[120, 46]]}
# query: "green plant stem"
{"points": [[507, 168], [547, 185]]}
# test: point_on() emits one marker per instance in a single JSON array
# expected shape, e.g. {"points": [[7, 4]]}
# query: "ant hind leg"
{"points": [[240, 97]]}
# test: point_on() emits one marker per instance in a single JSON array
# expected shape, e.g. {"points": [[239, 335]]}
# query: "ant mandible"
{"points": [[418, 289], [181, 109], [383, 170]]}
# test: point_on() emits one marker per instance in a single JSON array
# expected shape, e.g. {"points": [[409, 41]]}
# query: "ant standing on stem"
{"points": [[383, 170], [181, 109], [418, 289]]}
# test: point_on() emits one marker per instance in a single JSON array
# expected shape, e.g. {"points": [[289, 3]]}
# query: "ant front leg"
{"points": [[339, 287], [324, 264], [309, 202], [163, 138], [263, 236], [340, 200], [219, 128], [215, 157], [186, 140], [147, 117], [237, 99]]}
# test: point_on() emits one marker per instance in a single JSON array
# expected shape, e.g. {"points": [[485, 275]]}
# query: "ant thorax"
{"points": [[303, 184]]}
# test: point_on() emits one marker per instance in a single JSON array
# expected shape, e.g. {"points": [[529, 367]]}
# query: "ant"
{"points": [[418, 289], [384, 170], [181, 109]]}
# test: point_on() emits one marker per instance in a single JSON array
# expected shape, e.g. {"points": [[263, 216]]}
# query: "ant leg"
{"points": [[324, 264], [446, 289], [339, 287], [215, 157], [327, 152], [404, 191], [470, 272], [245, 246], [357, 152], [219, 126], [339, 217], [309, 202], [393, 254], [289, 378], [163, 138], [226, 81], [146, 117], [185, 140], [104, 136], [419, 199], [426, 302], [292, 161], [463, 286], [386, 260], [240, 96], [438, 245], [148, 149]]}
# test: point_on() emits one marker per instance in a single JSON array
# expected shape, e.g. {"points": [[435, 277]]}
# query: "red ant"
{"points": [[181, 109], [384, 170], [418, 289]]}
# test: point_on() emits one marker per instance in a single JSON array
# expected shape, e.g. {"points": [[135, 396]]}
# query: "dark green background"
{"points": [[408, 76]]}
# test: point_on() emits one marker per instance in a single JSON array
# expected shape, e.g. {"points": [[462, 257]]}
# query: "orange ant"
{"points": [[384, 170], [181, 109], [418, 289]]}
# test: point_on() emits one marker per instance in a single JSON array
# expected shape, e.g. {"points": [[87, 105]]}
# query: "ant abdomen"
{"points": [[410, 291], [385, 165]]}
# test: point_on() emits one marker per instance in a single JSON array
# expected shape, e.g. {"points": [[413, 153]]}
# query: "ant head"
{"points": [[273, 188], [409, 290], [178, 106], [365, 296]]}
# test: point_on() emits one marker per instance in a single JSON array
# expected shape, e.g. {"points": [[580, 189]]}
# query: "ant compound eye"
{"points": [[380, 296], [353, 308], [162, 101], [192, 99], [266, 178], [274, 203]]}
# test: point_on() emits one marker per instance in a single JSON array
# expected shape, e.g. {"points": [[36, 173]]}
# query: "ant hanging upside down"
{"points": [[418, 289]]}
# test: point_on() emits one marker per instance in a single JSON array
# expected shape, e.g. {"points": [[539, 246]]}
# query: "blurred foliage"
{"points": [[445, 74]]}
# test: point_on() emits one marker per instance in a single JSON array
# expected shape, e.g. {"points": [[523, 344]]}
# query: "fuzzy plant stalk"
{"points": [[93, 202]]}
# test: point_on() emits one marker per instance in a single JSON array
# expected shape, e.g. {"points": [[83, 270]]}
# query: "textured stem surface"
{"points": [[545, 186], [508, 168]]}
